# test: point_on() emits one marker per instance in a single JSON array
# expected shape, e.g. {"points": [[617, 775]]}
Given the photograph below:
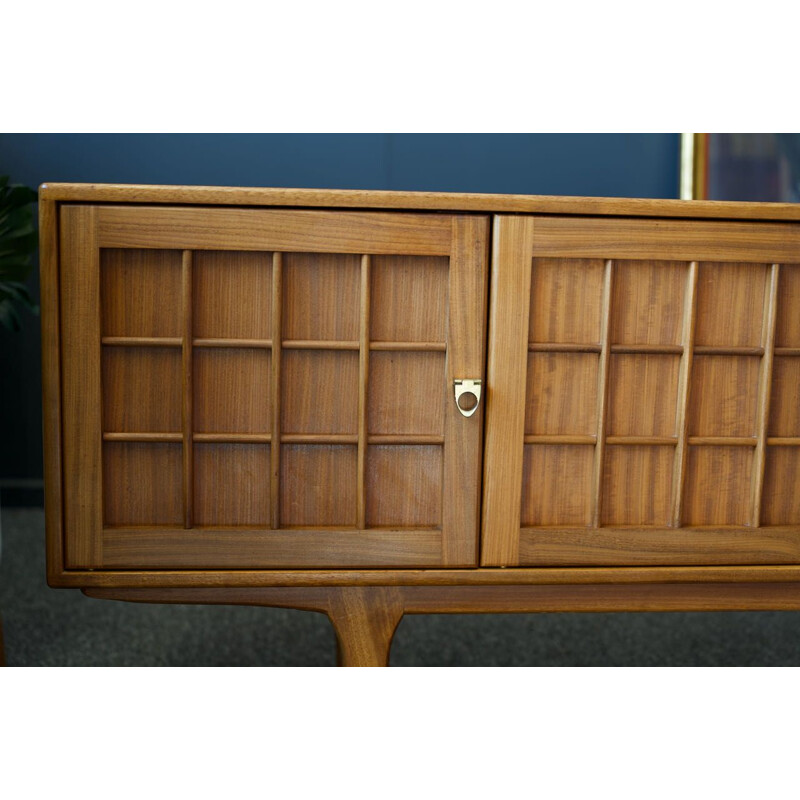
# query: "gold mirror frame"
{"points": [[694, 166], [760, 167]]}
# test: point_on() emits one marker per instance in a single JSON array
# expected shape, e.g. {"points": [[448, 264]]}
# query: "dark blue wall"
{"points": [[616, 165], [611, 165]]}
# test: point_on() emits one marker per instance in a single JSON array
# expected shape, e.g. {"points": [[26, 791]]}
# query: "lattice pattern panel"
{"points": [[273, 390], [662, 394]]}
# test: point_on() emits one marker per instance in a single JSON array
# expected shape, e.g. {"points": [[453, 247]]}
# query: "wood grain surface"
{"points": [[244, 547], [273, 229], [292, 372], [686, 595], [660, 546], [404, 486], [232, 294], [401, 284], [509, 316], [231, 390], [468, 285], [398, 576], [81, 374], [231, 484], [655, 342], [730, 304], [561, 393], [49, 302], [558, 287], [154, 374], [409, 201], [140, 293], [642, 395], [407, 393], [142, 483], [557, 485], [648, 302], [365, 618], [321, 296], [625, 471], [670, 240], [724, 395]]}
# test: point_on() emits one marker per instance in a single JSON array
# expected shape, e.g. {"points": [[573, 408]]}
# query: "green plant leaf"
{"points": [[23, 244], [15, 269], [18, 241], [17, 226], [13, 217], [20, 196], [9, 316], [16, 290]]}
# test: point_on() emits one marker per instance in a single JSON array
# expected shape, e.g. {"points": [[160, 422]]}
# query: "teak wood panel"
{"points": [[414, 201], [643, 393], [256, 388], [274, 229]]}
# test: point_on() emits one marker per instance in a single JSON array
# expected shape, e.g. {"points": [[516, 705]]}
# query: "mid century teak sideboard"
{"points": [[377, 403]]}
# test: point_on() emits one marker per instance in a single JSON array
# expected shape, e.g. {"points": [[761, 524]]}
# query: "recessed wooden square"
{"points": [[556, 485], [561, 394], [716, 488], [232, 294], [401, 287], [723, 396], [784, 407], [142, 389], [142, 484], [730, 304], [321, 296], [404, 486], [406, 393], [787, 324], [320, 391], [780, 501], [642, 395], [637, 485], [318, 485], [647, 302], [141, 292], [231, 484], [232, 391], [566, 300]]}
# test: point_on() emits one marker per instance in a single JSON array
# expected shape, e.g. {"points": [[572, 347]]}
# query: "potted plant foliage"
{"points": [[18, 241]]}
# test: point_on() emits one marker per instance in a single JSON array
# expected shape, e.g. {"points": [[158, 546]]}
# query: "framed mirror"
{"points": [[763, 167]]}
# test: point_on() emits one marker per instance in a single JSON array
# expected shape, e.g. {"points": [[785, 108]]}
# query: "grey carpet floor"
{"points": [[62, 627]]}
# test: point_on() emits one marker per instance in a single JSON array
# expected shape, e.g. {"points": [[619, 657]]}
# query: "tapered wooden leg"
{"points": [[365, 620]]}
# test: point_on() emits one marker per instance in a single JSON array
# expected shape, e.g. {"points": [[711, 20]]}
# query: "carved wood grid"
{"points": [[319, 356], [678, 379]]}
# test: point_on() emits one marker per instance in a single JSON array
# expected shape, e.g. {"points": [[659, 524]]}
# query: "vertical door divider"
{"points": [[187, 415], [764, 386], [684, 381], [602, 394], [506, 383], [275, 362], [363, 382]]}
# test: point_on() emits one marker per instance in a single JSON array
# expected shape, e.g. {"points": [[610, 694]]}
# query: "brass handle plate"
{"points": [[468, 396]]}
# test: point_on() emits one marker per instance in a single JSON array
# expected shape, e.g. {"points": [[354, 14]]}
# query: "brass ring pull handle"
{"points": [[468, 396]]}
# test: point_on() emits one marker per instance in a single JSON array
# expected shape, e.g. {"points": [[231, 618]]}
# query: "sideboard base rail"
{"points": [[365, 618]]}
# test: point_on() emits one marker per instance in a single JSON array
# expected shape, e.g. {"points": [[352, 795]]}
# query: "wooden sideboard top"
{"points": [[417, 201]]}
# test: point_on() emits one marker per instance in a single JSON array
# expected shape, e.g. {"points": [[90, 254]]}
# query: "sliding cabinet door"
{"points": [[270, 388], [643, 399]]}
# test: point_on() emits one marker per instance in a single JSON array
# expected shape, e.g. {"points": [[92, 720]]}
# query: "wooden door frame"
{"points": [[516, 241], [84, 229]]}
